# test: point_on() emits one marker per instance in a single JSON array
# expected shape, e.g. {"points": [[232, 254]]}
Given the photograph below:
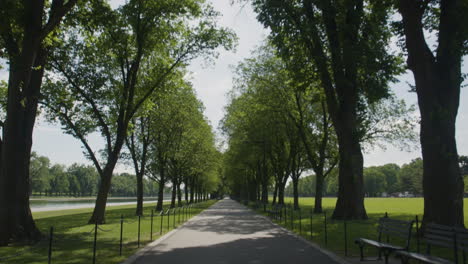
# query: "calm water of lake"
{"points": [[39, 205]]}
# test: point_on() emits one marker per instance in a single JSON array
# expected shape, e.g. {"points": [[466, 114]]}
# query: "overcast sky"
{"points": [[213, 82]]}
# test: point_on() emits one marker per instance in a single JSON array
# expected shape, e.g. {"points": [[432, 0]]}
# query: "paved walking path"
{"points": [[228, 233]]}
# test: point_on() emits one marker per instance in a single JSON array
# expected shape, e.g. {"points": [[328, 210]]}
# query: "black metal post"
{"points": [[151, 228], [417, 235], [173, 220], [345, 238], [300, 222], [325, 226], [95, 242], [162, 218], [178, 212], [388, 237], [168, 219], [121, 235], [51, 238], [139, 222], [292, 219], [285, 215], [311, 230], [281, 215]]}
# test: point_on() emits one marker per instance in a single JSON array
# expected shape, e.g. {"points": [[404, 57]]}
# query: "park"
{"points": [[233, 131]]}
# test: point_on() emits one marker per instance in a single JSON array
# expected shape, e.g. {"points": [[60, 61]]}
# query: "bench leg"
{"points": [[380, 254], [361, 249], [404, 260], [386, 255]]}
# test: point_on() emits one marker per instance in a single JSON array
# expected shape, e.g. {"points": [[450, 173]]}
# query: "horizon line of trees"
{"points": [[389, 178], [78, 180]]}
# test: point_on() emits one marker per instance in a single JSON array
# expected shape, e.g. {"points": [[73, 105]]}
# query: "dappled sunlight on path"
{"points": [[228, 232]]}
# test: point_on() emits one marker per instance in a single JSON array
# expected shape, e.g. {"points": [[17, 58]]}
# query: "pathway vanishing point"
{"points": [[229, 233]]}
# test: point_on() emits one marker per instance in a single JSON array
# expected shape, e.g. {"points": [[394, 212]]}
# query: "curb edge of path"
{"points": [[148, 247], [326, 252]]}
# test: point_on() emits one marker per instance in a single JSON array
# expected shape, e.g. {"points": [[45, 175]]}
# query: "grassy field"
{"points": [[399, 208], [73, 238]]}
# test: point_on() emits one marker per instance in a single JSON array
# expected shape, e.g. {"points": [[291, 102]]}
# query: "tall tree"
{"points": [[107, 69], [86, 176], [138, 142], [39, 173], [24, 28], [410, 177], [58, 180], [438, 77], [346, 43]]}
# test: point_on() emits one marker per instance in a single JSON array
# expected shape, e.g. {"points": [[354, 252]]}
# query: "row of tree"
{"points": [[278, 128], [78, 180], [331, 67], [116, 72], [389, 178]]}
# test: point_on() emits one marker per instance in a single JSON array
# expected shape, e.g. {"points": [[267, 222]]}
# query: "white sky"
{"points": [[213, 82]]}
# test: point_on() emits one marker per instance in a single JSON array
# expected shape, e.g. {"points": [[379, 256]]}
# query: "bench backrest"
{"points": [[395, 228], [461, 235], [462, 238], [441, 236]]}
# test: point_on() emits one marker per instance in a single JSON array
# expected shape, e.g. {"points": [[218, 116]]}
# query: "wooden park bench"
{"points": [[461, 235], [441, 236], [275, 211], [390, 228]]}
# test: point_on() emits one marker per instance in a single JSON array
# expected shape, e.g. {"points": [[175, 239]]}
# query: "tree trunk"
{"points": [[253, 191], [186, 193], [16, 221], [159, 204], [258, 196], [179, 196], [295, 192], [318, 193], [350, 202], [139, 209], [275, 193], [192, 192], [174, 194], [281, 193], [98, 215], [265, 191], [438, 79], [442, 182]]}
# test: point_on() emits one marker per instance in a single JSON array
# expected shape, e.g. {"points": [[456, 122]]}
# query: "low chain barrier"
{"points": [[319, 223], [173, 215]]}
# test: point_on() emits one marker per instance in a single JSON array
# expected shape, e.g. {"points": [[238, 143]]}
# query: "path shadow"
{"points": [[273, 250]]}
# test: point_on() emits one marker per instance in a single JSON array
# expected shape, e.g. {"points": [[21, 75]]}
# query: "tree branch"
{"points": [[76, 133], [57, 12], [90, 100]]}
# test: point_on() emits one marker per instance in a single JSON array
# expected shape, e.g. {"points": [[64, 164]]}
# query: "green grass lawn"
{"points": [[73, 238], [399, 208]]}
